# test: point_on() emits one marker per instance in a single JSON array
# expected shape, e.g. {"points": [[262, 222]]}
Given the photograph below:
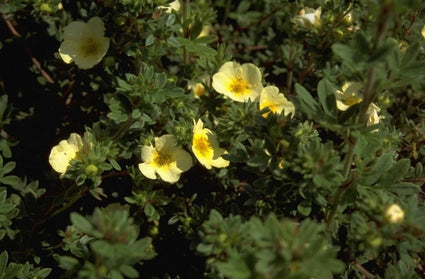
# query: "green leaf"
{"points": [[236, 268], [81, 223], [43, 273], [197, 49], [307, 102], [12, 270], [150, 40], [3, 105], [9, 167], [326, 93], [382, 52], [151, 212], [11, 180], [3, 262], [116, 275], [383, 164], [115, 165], [397, 172], [304, 207], [410, 54], [7, 207], [129, 271], [404, 189]]}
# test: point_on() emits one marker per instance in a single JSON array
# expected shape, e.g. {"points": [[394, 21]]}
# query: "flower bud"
{"points": [[91, 169], [394, 214]]}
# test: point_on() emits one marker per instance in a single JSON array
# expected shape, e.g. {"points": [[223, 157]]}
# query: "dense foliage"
{"points": [[212, 139]]}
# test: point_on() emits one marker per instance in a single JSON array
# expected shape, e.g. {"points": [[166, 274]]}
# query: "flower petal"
{"points": [[148, 153], [95, 27], [165, 142], [74, 31], [169, 173], [147, 170], [183, 159], [68, 50]]}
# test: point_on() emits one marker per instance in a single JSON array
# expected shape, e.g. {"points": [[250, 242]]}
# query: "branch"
{"points": [[28, 51]]}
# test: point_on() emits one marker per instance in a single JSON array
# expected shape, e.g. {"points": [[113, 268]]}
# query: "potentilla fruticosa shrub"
{"points": [[212, 139]]}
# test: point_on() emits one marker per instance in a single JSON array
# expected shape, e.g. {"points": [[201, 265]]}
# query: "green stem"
{"points": [[124, 128], [369, 95], [66, 206]]}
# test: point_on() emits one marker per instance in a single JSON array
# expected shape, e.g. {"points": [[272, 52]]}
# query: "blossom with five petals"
{"points": [[205, 147], [67, 150], [275, 101], [238, 82], [165, 159], [84, 43], [349, 95]]}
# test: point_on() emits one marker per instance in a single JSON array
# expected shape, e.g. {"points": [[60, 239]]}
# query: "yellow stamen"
{"points": [[239, 86], [351, 100], [202, 144], [161, 159], [90, 47]]}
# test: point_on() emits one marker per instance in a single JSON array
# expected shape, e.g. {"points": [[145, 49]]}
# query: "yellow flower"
{"points": [[394, 214], [84, 43], [423, 31], [165, 159], [372, 112], [308, 18], [205, 147], [238, 82], [275, 101], [173, 6], [67, 150], [198, 87], [349, 96]]}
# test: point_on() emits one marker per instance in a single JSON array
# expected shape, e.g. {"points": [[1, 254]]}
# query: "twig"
{"points": [[37, 64], [364, 271], [10, 26], [28, 51]]}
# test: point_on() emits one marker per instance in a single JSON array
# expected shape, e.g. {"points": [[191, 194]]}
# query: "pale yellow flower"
{"points": [[394, 214], [423, 31], [84, 43], [373, 113], [205, 147], [238, 82], [205, 31], [275, 101], [308, 18], [198, 89], [349, 96], [67, 150], [173, 6], [165, 159]]}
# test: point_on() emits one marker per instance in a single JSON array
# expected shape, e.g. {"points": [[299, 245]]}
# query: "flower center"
{"points": [[352, 100], [90, 47], [202, 144], [161, 159], [271, 106], [239, 86]]}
